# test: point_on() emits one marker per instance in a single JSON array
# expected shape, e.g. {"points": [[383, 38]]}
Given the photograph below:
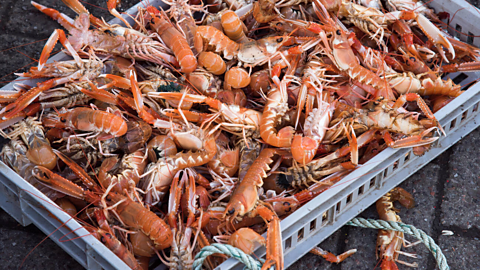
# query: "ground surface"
{"points": [[446, 190]]}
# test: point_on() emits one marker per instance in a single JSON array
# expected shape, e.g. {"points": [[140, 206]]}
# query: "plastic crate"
{"points": [[322, 216], [27, 205], [306, 227]]}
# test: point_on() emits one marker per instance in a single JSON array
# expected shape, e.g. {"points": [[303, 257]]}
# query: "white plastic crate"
{"points": [[306, 227], [322, 216], [27, 205]]}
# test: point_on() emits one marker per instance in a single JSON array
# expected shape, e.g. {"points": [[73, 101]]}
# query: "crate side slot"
{"points": [[394, 167], [465, 16], [470, 38], [313, 226], [407, 157], [451, 125], [350, 198], [300, 235], [475, 107], [371, 184], [361, 190], [287, 244], [323, 219], [458, 31]]}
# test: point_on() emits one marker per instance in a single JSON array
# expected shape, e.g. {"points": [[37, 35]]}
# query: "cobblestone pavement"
{"points": [[446, 191]]}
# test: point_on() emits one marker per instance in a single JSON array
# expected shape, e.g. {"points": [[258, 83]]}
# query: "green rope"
{"points": [[405, 228], [251, 263]]}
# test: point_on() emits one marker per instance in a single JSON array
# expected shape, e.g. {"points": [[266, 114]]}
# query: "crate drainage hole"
{"points": [[288, 243], [349, 198], [407, 157], [470, 38], [460, 78], [464, 115], [475, 107], [459, 30], [395, 165], [452, 124], [372, 183], [300, 235], [313, 225], [337, 207], [385, 173], [360, 190], [324, 217]]}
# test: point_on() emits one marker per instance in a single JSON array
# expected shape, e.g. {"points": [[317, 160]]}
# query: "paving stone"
{"points": [[311, 261], [17, 62], [462, 187], [27, 25], [17, 241], [422, 185], [35, 23], [28, 21], [364, 241], [461, 252]]}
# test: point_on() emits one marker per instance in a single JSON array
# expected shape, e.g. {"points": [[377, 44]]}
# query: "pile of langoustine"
{"points": [[182, 130]]}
